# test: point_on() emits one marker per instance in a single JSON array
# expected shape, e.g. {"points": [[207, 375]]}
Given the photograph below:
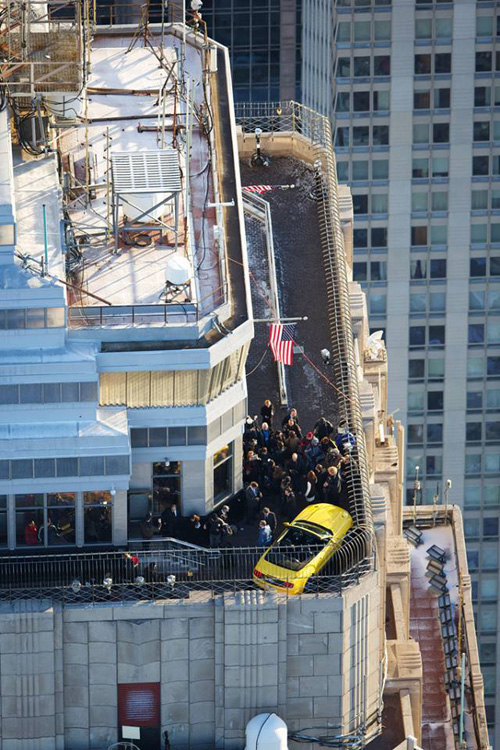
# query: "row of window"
{"points": [[419, 369], [363, 67], [432, 335], [477, 367], [438, 201], [438, 132], [423, 304], [363, 31], [159, 437], [483, 300], [475, 463], [49, 520], [34, 317], [476, 400], [487, 61], [363, 101], [430, 465], [375, 169], [428, 63], [475, 432], [376, 203], [43, 468], [435, 234], [481, 333], [433, 433], [433, 28], [487, 96], [485, 165], [480, 367], [477, 496], [377, 235], [484, 130], [440, 99], [424, 167], [48, 393], [362, 135], [489, 559]]}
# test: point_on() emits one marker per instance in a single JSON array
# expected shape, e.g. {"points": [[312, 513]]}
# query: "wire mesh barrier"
{"points": [[153, 574], [293, 118]]}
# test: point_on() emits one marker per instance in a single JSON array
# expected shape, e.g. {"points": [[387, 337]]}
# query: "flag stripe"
{"points": [[281, 340]]}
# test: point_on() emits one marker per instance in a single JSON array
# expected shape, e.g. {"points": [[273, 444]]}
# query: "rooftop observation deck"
{"points": [[127, 222]]}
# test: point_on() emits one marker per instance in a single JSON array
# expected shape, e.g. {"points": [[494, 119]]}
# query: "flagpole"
{"points": [[279, 320]]}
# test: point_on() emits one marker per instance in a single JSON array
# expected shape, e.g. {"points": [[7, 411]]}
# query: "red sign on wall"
{"points": [[139, 704]]}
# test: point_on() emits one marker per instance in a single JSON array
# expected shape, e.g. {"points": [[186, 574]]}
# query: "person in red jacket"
{"points": [[31, 533]]}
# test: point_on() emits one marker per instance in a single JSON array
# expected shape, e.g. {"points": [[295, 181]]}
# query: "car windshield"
{"points": [[316, 529], [295, 548]]}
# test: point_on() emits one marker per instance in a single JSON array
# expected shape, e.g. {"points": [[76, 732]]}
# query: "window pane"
{"points": [[421, 133], [422, 100], [22, 469], [478, 233], [55, 317], [45, 467], [88, 391], [361, 67], [416, 368], [419, 201], [422, 64], [418, 303], [360, 271], [139, 438], [379, 203], [117, 465], [419, 235], [51, 393], [35, 318], [380, 169], [362, 31], [177, 436], [483, 62], [437, 302], [479, 200], [382, 65], [197, 435], [439, 201], [482, 96], [442, 98], [439, 234], [9, 394], [92, 466], [440, 166], [67, 467], [484, 26], [343, 101], [361, 101], [31, 393], [482, 131], [441, 132], [70, 392], [438, 268], [418, 269], [360, 170], [381, 101], [423, 28], [480, 165], [382, 30], [380, 135], [420, 168], [443, 28]]}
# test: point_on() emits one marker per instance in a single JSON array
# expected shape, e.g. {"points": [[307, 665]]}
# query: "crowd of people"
{"points": [[283, 470]]}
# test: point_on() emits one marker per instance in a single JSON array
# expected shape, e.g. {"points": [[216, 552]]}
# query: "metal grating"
{"points": [[146, 172]]}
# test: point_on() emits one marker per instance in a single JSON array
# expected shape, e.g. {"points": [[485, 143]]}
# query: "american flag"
{"points": [[259, 189], [281, 338]]}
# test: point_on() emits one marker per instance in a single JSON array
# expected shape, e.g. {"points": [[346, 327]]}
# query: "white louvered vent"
{"points": [[146, 172]]}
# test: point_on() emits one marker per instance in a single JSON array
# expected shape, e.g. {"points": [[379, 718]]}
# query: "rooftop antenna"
{"points": [[416, 490], [258, 158]]}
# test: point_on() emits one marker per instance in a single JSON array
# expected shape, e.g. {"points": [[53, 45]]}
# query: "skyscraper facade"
{"points": [[413, 91], [263, 37]]}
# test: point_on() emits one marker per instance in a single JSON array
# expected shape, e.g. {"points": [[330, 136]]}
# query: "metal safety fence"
{"points": [[291, 118], [168, 572]]}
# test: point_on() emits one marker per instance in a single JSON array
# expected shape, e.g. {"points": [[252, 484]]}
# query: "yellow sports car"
{"points": [[303, 547]]}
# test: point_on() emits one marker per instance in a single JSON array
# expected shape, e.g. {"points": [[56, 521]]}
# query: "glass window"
{"points": [[471, 528], [52, 393], [361, 101], [139, 438], [434, 465], [31, 393], [117, 465], [439, 234], [360, 271], [88, 391], [472, 496], [474, 400], [378, 304], [416, 368], [438, 268], [443, 28], [9, 394], [475, 367], [479, 200], [435, 400], [420, 168], [495, 266], [29, 520], [482, 96], [360, 170], [197, 435], [67, 467], [493, 398], [437, 302], [476, 333], [223, 472], [490, 526], [422, 100], [361, 136], [473, 432], [490, 558], [343, 102], [92, 466], [379, 236], [3, 520], [418, 269], [435, 433], [473, 463], [421, 133], [362, 31], [487, 619], [488, 653], [343, 67], [482, 131], [435, 368], [177, 436], [493, 431], [439, 201], [70, 392], [381, 101], [380, 135], [22, 469], [55, 317], [442, 98], [419, 201], [423, 28], [417, 336], [491, 496], [35, 318], [378, 270], [418, 303], [495, 232], [97, 517], [157, 437], [483, 62], [379, 203], [419, 235], [440, 166], [415, 401], [442, 62], [484, 26], [382, 65], [422, 64], [361, 67], [441, 132], [360, 237], [480, 165], [477, 267], [380, 169], [478, 233], [342, 137], [344, 31], [45, 467], [343, 171], [166, 484], [382, 31], [415, 434]]}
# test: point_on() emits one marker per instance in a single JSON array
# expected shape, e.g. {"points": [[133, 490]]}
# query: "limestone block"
{"points": [[147, 611], [232, 677], [101, 653], [202, 669], [313, 644], [292, 687], [76, 716], [176, 671], [335, 643], [202, 712], [300, 623], [139, 673], [327, 622], [75, 632], [76, 677], [328, 708], [175, 713], [268, 697], [300, 666], [232, 699], [267, 674], [202, 734], [171, 629], [313, 686], [301, 708], [202, 690], [175, 692], [89, 615], [327, 665], [292, 642], [102, 716], [321, 603], [76, 696], [75, 739], [101, 737], [76, 654], [234, 718], [267, 633], [137, 633], [201, 627], [232, 655], [102, 674], [337, 685], [178, 733], [268, 615], [28, 727], [102, 632], [138, 653], [174, 649], [232, 635], [201, 648]]}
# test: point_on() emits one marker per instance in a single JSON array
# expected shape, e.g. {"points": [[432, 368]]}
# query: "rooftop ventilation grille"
{"points": [[146, 172]]}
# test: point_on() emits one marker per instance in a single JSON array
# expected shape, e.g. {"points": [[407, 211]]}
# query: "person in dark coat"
{"points": [[170, 521], [253, 497], [332, 485], [269, 517], [267, 412]]}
